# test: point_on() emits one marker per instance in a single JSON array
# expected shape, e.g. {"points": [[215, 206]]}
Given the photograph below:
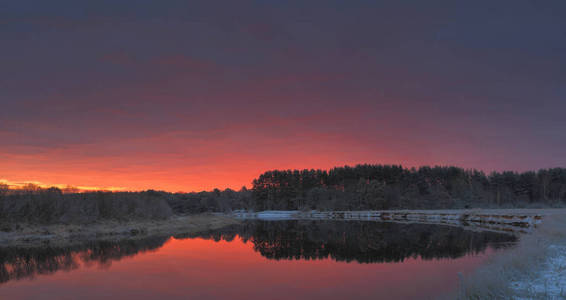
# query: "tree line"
{"points": [[377, 187], [361, 187], [36, 205]]}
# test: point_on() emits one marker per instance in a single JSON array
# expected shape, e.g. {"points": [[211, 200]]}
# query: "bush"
{"points": [[52, 206]]}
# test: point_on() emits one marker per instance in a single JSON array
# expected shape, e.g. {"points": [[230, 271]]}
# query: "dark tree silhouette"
{"points": [[394, 187], [362, 187]]}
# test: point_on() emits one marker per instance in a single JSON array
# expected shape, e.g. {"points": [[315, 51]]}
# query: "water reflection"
{"points": [[363, 242], [19, 263]]}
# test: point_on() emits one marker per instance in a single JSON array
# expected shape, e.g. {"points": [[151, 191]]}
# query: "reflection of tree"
{"points": [[364, 242], [19, 263]]}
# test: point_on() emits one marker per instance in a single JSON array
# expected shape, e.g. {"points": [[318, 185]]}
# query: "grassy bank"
{"points": [[63, 235], [534, 269]]}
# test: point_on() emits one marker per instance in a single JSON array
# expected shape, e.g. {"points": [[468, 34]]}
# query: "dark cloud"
{"points": [[478, 84]]}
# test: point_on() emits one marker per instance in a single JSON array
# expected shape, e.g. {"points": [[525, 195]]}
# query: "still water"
{"points": [[257, 260]]}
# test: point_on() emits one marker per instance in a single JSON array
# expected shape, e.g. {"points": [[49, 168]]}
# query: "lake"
{"points": [[257, 260]]}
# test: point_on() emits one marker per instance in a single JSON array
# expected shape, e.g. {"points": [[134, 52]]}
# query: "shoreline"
{"points": [[534, 269], [64, 235], [511, 221], [498, 220]]}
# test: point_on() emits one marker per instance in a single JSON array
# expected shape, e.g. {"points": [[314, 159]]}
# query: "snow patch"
{"points": [[550, 282]]}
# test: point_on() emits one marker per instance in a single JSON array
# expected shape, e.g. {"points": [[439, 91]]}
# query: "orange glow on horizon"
{"points": [[23, 184], [184, 162]]}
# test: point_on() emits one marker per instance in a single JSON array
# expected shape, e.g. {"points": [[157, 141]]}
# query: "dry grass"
{"points": [[27, 235], [515, 274]]}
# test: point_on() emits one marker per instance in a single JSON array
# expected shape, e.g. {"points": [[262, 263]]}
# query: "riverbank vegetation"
{"points": [[534, 269], [49, 206], [29, 235]]}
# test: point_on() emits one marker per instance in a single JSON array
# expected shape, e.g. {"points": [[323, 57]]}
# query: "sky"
{"points": [[193, 95]]}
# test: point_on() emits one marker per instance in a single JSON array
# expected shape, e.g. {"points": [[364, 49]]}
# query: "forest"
{"points": [[377, 187], [362, 187]]}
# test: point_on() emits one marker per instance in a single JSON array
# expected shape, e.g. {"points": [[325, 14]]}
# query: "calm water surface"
{"points": [[257, 260]]}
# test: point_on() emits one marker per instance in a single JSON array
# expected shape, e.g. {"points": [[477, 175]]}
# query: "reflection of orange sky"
{"points": [[203, 269]]}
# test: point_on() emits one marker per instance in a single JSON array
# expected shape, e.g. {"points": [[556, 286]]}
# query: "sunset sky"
{"points": [[192, 95]]}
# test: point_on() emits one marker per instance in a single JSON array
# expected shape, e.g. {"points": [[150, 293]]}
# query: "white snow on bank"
{"points": [[550, 282], [502, 220], [276, 215]]}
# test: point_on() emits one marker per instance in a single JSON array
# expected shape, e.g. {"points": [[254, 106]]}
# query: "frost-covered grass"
{"points": [[534, 269], [551, 279]]}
